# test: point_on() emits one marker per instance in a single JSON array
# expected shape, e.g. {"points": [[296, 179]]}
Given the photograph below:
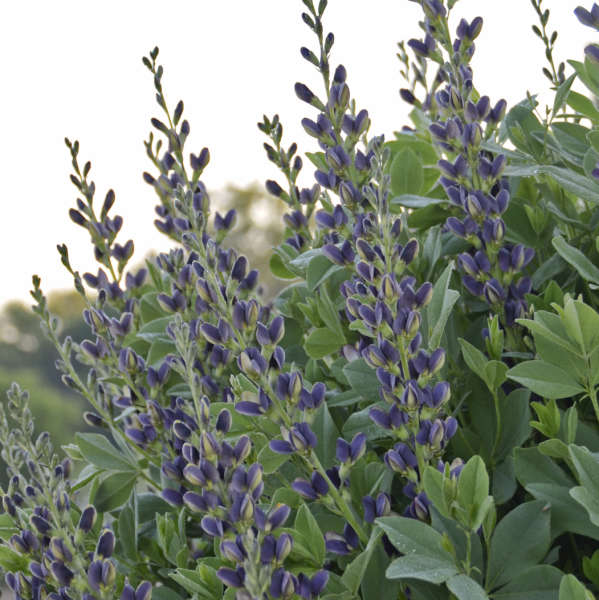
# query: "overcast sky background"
{"points": [[74, 68]]}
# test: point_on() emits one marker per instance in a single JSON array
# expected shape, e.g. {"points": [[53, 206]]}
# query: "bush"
{"points": [[414, 415]]}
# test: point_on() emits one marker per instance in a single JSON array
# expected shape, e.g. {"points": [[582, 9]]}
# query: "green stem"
{"points": [[498, 423], [339, 501], [593, 396]]}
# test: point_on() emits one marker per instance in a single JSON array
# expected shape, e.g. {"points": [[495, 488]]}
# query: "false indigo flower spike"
{"points": [[471, 177]]}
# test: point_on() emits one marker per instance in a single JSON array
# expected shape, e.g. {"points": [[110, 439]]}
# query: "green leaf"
{"points": [[520, 541], [540, 329], [323, 341], [582, 105], [424, 568], [278, 268], [327, 433], [128, 532], [361, 422], [572, 182], [515, 418], [494, 374], [328, 312], [545, 379], [571, 589], [589, 501], [99, 451], [155, 329], [566, 515], [413, 201], [306, 524], [407, 174], [203, 581], [586, 269], [433, 481], [114, 490], [354, 572], [440, 307], [158, 350], [587, 469], [320, 268], [562, 93], [532, 467], [465, 588], [473, 491], [537, 583], [271, 461], [362, 379], [411, 536], [474, 358], [12, 561], [149, 308]]}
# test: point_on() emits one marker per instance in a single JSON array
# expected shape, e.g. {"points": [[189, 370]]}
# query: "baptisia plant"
{"points": [[309, 445], [462, 125]]}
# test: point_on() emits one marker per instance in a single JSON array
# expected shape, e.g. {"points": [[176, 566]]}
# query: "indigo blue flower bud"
{"points": [[105, 546], [225, 223], [223, 421], [62, 573], [401, 459], [277, 517], [436, 361], [342, 544], [101, 574], [181, 430], [588, 18], [251, 362], [283, 547], [350, 453], [233, 550], [283, 584], [407, 96], [592, 52], [316, 488], [213, 527], [143, 592], [476, 288], [40, 523], [242, 448], [93, 419], [494, 292], [425, 48], [373, 509], [337, 158], [311, 588], [239, 270], [172, 496], [424, 294], [300, 438], [409, 252], [497, 113], [304, 93], [274, 188], [232, 578], [308, 400]]}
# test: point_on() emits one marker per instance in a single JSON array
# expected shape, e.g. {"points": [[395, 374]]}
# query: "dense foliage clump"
{"points": [[415, 414]]}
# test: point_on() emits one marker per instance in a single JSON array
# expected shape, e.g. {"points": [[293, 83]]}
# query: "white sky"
{"points": [[74, 68]]}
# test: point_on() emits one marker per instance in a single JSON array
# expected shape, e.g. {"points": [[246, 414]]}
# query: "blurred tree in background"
{"points": [[28, 358]]}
